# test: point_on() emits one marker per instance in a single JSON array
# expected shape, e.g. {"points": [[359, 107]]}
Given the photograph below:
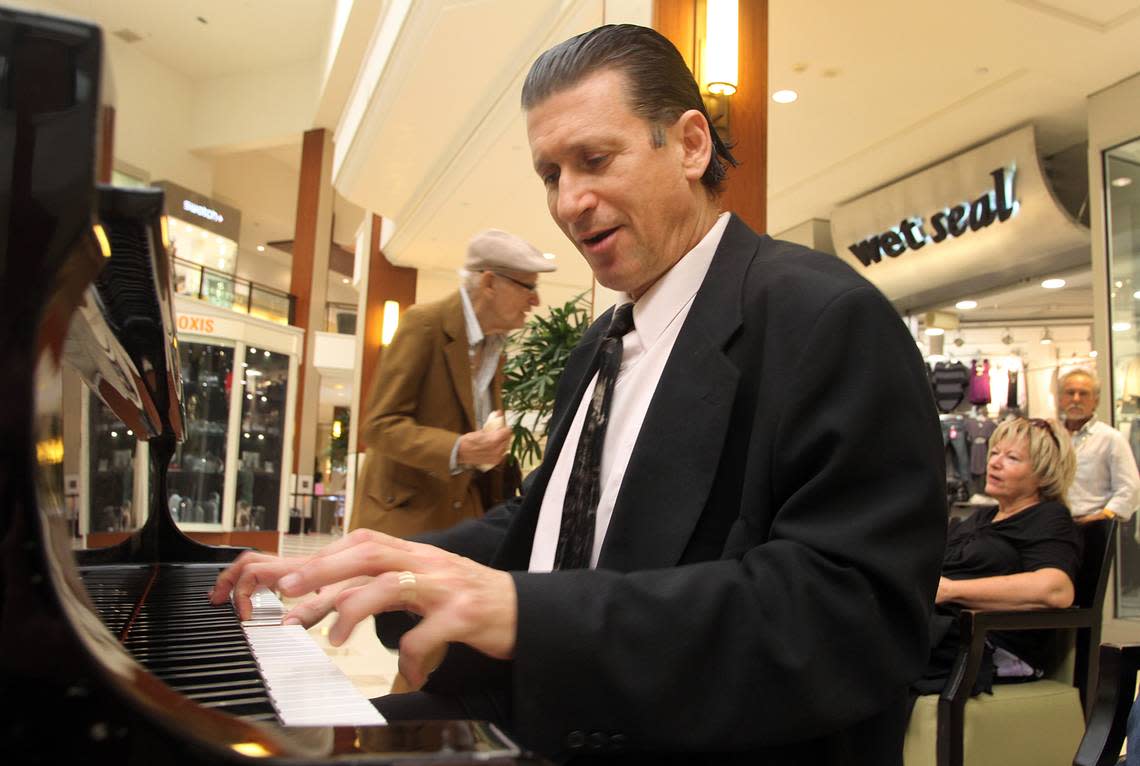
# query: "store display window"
{"points": [[1122, 195], [204, 264], [263, 418], [111, 462], [196, 481]]}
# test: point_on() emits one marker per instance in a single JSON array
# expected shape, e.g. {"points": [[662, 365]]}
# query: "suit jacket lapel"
{"points": [[674, 462], [458, 361]]}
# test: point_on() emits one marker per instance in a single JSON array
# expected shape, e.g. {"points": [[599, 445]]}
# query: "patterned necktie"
{"points": [[576, 536]]}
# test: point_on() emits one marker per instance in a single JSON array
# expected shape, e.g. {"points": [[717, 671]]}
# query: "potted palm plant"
{"points": [[536, 358]]}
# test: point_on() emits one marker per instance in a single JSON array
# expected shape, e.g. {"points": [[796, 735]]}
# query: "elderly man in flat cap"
{"points": [[433, 424]]}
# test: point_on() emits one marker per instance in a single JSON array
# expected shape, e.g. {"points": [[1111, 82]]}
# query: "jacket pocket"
{"points": [[391, 495]]}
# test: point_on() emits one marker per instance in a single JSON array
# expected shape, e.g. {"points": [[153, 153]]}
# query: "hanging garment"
{"points": [[1011, 399], [999, 387], [980, 382], [949, 381], [955, 441], [978, 432]]}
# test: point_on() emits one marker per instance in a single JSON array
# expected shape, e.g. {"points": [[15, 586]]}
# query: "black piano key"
{"points": [[217, 688], [171, 628]]}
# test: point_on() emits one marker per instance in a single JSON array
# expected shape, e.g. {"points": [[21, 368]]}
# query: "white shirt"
{"points": [[480, 378], [1106, 472], [658, 317]]}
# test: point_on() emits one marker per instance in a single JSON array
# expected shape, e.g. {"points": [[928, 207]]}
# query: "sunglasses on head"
{"points": [[1044, 425]]}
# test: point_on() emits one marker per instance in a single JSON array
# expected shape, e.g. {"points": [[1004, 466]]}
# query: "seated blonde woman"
{"points": [[1022, 555]]}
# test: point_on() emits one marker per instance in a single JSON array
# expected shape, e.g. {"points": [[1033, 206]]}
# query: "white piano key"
{"points": [[304, 685]]}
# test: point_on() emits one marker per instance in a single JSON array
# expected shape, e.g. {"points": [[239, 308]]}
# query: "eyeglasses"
{"points": [[1044, 425], [520, 283]]}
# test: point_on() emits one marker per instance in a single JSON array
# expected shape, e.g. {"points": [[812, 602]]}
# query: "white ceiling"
{"points": [[1030, 302], [237, 35], [886, 87], [891, 86]]}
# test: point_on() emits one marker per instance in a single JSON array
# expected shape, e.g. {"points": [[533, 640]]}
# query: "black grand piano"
{"points": [[114, 655]]}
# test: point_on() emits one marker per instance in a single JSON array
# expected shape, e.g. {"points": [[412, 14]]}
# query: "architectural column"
{"points": [[746, 192], [379, 281], [309, 283]]}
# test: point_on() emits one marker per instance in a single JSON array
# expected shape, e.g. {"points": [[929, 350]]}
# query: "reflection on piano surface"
{"points": [[121, 659]]}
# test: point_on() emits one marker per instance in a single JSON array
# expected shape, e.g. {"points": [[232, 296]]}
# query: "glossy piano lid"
{"points": [[140, 266], [92, 350], [57, 652]]}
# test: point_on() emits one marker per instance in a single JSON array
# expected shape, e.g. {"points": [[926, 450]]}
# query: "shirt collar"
{"points": [[676, 287], [474, 331], [1087, 426]]}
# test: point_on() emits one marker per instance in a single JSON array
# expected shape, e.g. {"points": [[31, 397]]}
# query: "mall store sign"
{"points": [[981, 220], [198, 209], [913, 233]]}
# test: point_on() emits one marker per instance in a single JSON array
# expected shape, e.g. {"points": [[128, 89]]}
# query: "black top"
{"points": [[1040, 537]]}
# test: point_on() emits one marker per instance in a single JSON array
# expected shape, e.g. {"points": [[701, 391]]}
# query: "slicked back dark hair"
{"points": [[660, 87]]}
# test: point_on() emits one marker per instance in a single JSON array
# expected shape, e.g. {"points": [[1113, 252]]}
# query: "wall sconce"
{"points": [[717, 41], [390, 321]]}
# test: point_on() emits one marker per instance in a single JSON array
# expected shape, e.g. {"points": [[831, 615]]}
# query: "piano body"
{"points": [[117, 656]]}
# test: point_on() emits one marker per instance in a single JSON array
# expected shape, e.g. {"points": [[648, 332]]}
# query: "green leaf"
{"points": [[536, 359]]}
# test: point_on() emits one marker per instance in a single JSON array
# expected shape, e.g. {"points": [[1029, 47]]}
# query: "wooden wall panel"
{"points": [[676, 20], [304, 254], [386, 282], [106, 155], [746, 192]]}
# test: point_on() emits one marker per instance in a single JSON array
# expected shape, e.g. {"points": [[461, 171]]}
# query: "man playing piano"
{"points": [[726, 555]]}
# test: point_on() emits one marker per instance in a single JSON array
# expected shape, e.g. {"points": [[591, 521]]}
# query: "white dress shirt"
{"points": [[1106, 472], [482, 376], [658, 317]]}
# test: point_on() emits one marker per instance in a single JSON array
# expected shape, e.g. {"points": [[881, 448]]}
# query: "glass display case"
{"points": [[263, 417], [110, 466], [228, 478], [196, 481]]}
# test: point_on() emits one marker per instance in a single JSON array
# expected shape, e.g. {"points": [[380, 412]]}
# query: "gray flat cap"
{"points": [[494, 249]]}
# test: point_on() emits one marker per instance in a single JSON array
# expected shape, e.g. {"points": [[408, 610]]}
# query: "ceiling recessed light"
{"points": [[261, 248], [345, 280], [785, 96], [1053, 284], [934, 331], [966, 305], [1121, 326], [1121, 182], [1136, 295]]}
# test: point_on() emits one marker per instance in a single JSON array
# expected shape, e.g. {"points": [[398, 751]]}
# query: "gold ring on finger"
{"points": [[407, 581]]}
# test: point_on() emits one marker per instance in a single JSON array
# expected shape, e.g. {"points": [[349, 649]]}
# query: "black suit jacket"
{"points": [[765, 583]]}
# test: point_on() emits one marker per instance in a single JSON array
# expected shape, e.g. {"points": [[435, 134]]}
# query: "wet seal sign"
{"points": [[912, 233]]}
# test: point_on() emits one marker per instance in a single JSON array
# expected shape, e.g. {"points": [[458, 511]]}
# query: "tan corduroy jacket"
{"points": [[419, 404]]}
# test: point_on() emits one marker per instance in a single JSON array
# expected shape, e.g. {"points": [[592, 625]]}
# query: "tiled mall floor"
{"points": [[362, 658]]}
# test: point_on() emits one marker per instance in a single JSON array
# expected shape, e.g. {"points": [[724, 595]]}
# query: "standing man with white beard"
{"points": [[1107, 483]]}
